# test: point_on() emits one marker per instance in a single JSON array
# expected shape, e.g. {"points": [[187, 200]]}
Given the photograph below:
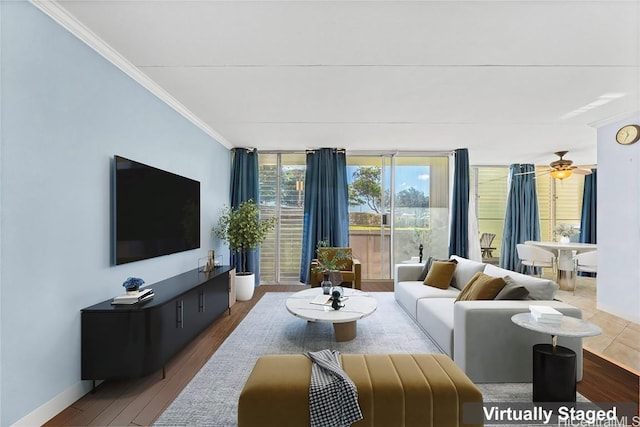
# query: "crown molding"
{"points": [[613, 119], [60, 15]]}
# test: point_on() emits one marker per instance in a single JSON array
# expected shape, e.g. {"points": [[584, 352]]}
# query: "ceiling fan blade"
{"points": [[524, 173], [580, 171]]}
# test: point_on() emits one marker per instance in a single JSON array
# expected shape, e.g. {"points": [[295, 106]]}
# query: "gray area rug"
{"points": [[211, 398]]}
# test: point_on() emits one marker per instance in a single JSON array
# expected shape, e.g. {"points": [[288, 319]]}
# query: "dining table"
{"points": [[565, 272]]}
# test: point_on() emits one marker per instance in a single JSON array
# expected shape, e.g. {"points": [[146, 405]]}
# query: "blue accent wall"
{"points": [[65, 112]]}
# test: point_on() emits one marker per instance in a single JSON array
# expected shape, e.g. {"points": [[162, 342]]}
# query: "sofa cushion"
{"points": [[435, 316], [539, 289], [481, 287], [440, 274], [512, 290], [465, 270], [409, 293]]}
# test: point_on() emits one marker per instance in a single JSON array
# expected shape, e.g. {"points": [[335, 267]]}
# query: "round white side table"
{"points": [[554, 366]]}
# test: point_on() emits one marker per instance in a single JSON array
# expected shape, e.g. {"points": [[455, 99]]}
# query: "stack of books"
{"points": [[134, 298], [325, 300], [545, 314], [322, 300]]}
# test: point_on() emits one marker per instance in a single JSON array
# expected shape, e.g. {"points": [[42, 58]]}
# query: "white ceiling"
{"points": [[513, 81]]}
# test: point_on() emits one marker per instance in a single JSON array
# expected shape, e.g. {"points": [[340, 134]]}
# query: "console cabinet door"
{"points": [[217, 297], [213, 300], [177, 319], [111, 345]]}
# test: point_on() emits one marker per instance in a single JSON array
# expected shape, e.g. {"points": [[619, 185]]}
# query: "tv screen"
{"points": [[155, 212]]}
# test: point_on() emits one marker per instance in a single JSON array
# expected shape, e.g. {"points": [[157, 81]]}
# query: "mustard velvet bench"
{"points": [[393, 390]]}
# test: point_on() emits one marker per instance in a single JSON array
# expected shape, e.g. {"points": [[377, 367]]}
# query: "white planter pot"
{"points": [[245, 285]]}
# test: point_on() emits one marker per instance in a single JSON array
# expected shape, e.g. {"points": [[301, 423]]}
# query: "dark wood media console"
{"points": [[129, 341]]}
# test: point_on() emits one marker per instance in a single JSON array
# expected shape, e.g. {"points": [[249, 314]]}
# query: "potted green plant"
{"points": [[328, 262], [243, 230], [566, 231]]}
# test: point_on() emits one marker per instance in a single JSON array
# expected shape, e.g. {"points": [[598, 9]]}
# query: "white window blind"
{"points": [[282, 195], [491, 202]]}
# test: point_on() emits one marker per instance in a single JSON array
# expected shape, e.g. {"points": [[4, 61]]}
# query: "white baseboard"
{"points": [[56, 405]]}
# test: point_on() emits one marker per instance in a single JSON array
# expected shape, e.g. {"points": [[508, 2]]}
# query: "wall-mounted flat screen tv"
{"points": [[155, 212]]}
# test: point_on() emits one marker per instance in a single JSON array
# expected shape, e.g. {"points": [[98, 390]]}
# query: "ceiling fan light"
{"points": [[561, 174]]}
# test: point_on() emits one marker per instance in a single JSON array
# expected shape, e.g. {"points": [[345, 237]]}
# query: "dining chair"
{"points": [[586, 262], [485, 244], [535, 257]]}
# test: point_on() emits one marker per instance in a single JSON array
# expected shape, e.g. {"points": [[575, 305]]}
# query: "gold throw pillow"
{"points": [[440, 274], [485, 287], [462, 296]]}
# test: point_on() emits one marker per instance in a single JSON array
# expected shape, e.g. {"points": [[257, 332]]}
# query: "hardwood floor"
{"points": [[140, 402], [605, 381]]}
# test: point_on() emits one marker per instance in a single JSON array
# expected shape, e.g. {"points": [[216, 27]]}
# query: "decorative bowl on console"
{"points": [[132, 284]]}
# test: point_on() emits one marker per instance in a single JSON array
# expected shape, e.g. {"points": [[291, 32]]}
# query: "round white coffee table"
{"points": [[357, 305]]}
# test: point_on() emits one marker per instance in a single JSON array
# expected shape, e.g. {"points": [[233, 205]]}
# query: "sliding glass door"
{"points": [[420, 207], [397, 203], [369, 180]]}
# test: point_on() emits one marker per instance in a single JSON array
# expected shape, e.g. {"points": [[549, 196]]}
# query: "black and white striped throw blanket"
{"points": [[333, 397]]}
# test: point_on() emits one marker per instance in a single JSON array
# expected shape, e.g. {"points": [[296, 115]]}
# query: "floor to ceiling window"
{"points": [[282, 195], [559, 201], [421, 207], [397, 202], [369, 179], [489, 186], [386, 227]]}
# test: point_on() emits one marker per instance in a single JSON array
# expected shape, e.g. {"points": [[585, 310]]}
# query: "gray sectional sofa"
{"points": [[479, 335]]}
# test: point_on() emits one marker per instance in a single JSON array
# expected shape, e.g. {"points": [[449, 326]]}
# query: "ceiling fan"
{"points": [[562, 168]]}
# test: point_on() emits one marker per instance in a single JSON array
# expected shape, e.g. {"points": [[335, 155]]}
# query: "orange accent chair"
{"points": [[350, 268]]}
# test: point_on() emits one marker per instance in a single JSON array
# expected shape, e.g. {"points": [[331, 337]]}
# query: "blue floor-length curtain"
{"points": [[588, 219], [326, 204], [245, 186], [589, 204], [459, 232], [522, 220]]}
